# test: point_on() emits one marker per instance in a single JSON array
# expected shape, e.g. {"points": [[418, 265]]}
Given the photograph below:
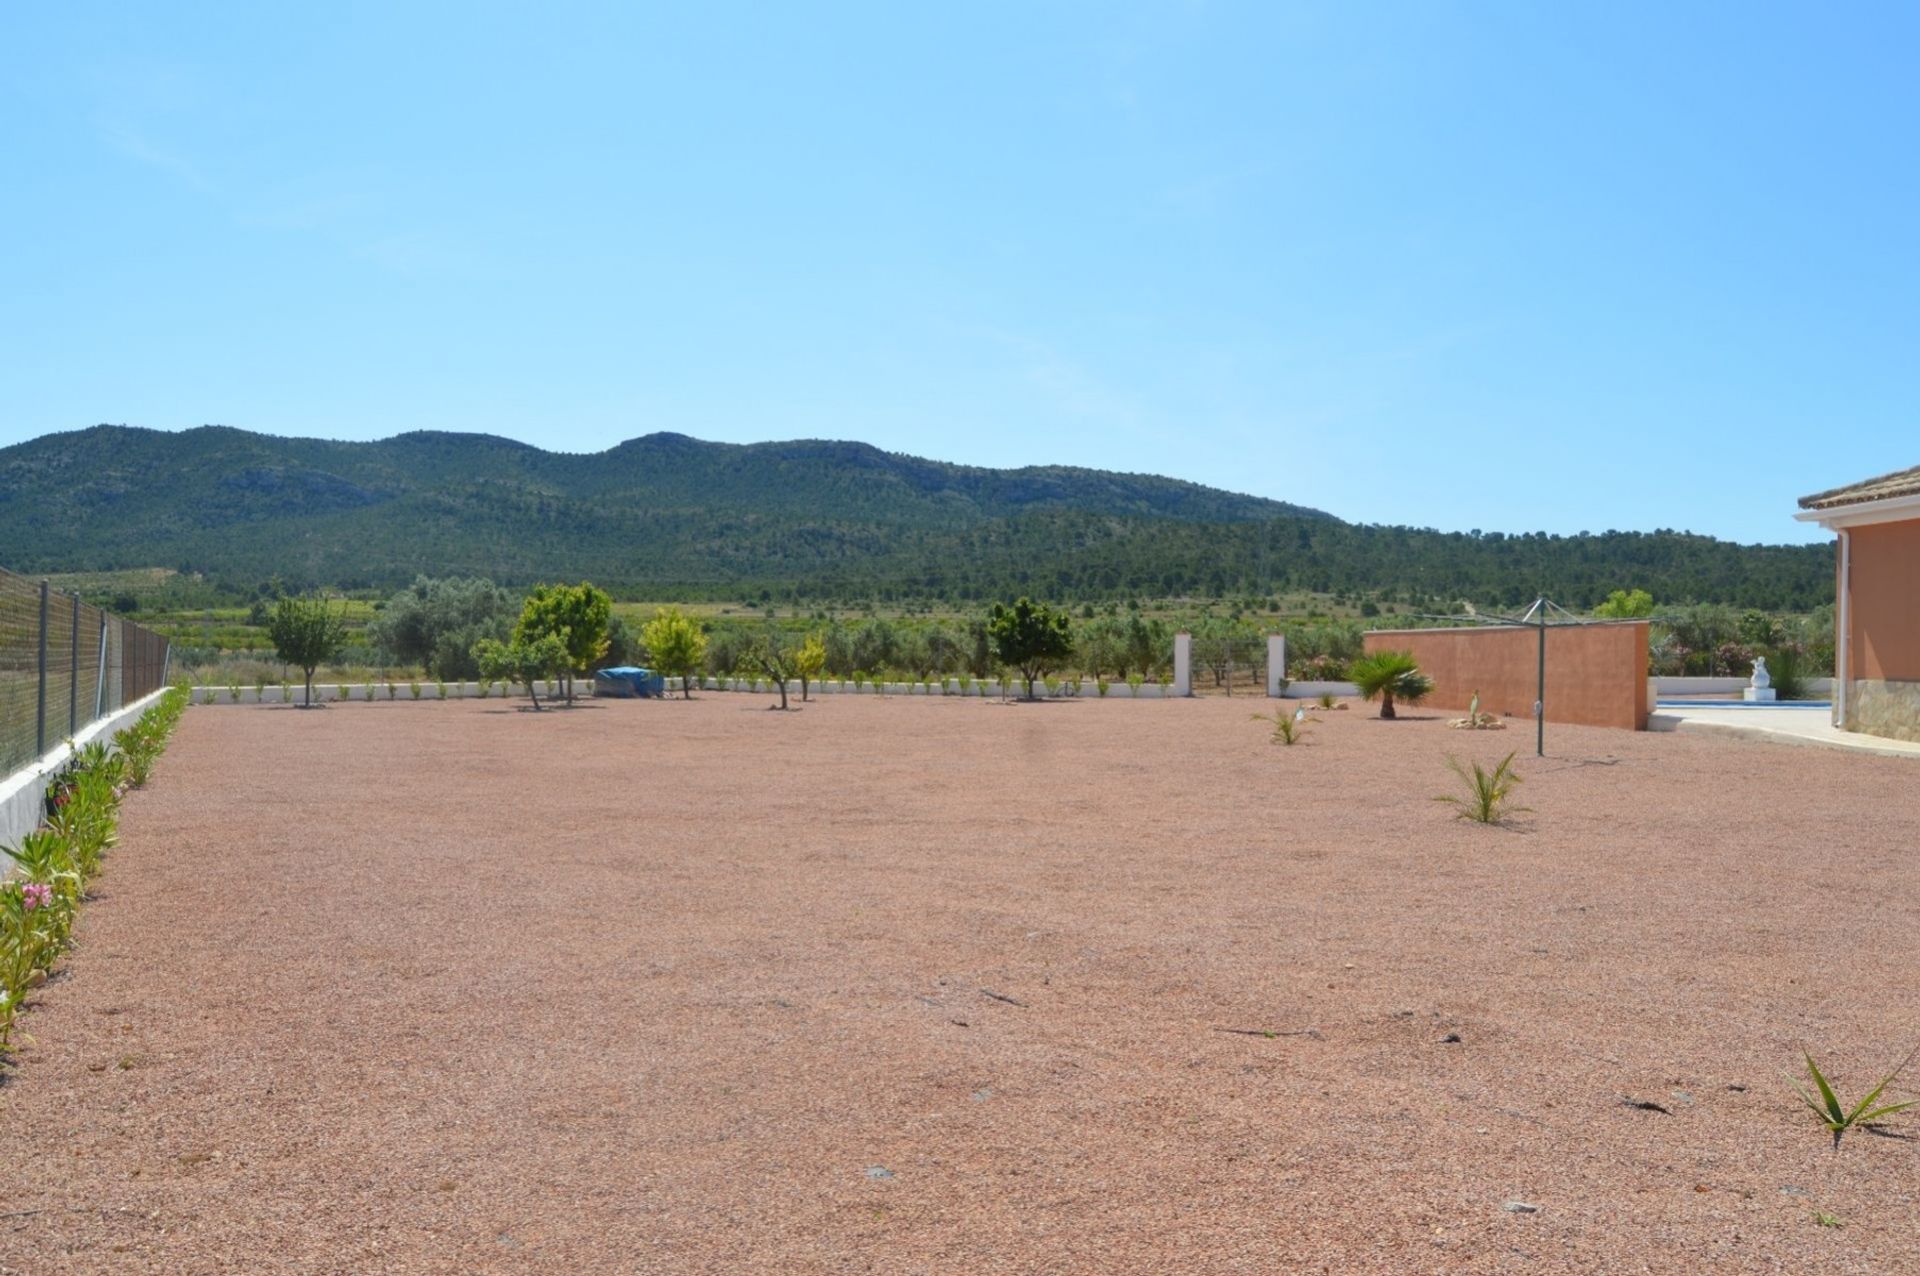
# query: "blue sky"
{"points": [[1513, 266]]}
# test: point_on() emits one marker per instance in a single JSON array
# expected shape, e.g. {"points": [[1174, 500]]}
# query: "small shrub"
{"points": [[1837, 1116], [393, 691], [1328, 700], [1488, 792], [1100, 685], [441, 687], [1288, 728], [1136, 681]]}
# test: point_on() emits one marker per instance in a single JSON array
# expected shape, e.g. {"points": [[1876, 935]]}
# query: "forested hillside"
{"points": [[666, 516]]}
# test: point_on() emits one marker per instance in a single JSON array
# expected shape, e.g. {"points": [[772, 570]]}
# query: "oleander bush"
{"points": [[50, 869]]}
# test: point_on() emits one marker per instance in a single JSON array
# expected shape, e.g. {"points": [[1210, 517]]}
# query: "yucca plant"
{"points": [[1488, 792], [1388, 676], [1837, 1116], [1288, 728], [1328, 700]]}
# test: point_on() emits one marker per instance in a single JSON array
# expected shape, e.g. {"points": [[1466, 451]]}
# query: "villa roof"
{"points": [[1887, 486]]}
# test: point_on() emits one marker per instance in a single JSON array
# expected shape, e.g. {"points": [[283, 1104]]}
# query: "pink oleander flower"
{"points": [[36, 895]]}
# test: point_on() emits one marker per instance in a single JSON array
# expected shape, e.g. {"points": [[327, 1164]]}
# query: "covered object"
{"points": [[628, 680]]}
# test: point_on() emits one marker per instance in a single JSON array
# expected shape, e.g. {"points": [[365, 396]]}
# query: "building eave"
{"points": [[1892, 509]]}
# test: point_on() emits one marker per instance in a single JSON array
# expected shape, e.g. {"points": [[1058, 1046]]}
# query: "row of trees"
{"points": [[565, 630], [461, 628], [452, 626]]}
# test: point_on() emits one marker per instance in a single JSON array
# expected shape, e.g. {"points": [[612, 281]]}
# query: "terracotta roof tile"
{"points": [[1898, 483]]}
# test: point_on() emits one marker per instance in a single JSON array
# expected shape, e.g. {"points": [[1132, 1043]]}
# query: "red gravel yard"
{"points": [[913, 986]]}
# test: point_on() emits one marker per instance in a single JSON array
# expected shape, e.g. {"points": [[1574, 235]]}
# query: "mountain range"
{"points": [[667, 516]]}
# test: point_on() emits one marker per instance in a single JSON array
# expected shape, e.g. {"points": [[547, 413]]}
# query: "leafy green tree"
{"points": [[575, 614], [1387, 676], [436, 623], [523, 660], [675, 646], [808, 660], [306, 633], [1624, 604], [1031, 637]]}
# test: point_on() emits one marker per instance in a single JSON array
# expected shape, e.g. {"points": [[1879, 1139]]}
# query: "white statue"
{"points": [[1761, 678]]}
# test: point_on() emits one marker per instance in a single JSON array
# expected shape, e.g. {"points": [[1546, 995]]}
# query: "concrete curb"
{"points": [[1763, 735]]}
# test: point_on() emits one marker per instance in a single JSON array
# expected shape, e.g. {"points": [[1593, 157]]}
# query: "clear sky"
{"points": [[1514, 266]]}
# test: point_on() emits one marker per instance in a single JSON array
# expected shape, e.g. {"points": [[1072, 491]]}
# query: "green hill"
{"points": [[670, 516]]}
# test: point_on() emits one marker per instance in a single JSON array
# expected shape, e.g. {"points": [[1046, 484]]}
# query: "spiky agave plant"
{"points": [[1488, 791], [1388, 676], [1837, 1116]]}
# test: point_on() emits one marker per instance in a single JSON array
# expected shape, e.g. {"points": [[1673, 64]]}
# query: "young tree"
{"points": [[808, 660], [767, 654], [675, 646], [1387, 675], [306, 633], [1031, 637], [526, 662], [575, 614]]}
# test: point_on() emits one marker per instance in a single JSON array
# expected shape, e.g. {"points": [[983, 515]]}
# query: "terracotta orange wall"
{"points": [[1596, 674], [1885, 562]]}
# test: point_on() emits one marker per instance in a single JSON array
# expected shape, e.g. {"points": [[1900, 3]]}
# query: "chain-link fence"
{"points": [[64, 664]]}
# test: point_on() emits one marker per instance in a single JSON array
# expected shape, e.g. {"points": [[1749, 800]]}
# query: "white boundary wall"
{"points": [[381, 693], [23, 795]]}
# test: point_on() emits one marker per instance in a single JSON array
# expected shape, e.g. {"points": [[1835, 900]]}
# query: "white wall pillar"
{"points": [[1183, 664], [1276, 664]]}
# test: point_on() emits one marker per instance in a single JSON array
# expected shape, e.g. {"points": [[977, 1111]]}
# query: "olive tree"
{"points": [[436, 623]]}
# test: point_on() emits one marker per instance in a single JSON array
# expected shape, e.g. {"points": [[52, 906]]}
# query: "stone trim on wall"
{"points": [[1884, 708]]}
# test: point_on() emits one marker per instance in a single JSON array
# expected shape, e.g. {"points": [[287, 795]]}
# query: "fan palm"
{"points": [[1389, 676]]}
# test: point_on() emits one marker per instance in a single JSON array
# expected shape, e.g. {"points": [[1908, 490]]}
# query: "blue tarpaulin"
{"points": [[628, 680]]}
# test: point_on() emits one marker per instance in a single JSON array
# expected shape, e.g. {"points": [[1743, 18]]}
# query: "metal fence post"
{"points": [[73, 672], [40, 709], [100, 680]]}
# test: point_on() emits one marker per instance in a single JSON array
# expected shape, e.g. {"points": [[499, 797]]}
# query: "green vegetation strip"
{"points": [[52, 865]]}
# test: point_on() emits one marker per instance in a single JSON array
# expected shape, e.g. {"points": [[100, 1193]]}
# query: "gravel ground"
{"points": [[941, 986]]}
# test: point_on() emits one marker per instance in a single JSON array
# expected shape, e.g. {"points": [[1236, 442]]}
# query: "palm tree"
{"points": [[1389, 674]]}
